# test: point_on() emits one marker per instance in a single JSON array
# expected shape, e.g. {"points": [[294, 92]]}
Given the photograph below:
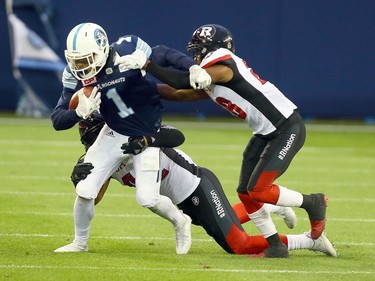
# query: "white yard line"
{"points": [[41, 235], [174, 269], [124, 215], [232, 124], [131, 195]]}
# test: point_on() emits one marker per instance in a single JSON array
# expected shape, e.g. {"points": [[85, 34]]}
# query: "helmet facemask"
{"points": [[84, 67], [196, 50]]}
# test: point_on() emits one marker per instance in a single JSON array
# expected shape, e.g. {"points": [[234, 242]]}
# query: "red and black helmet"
{"points": [[210, 37], [89, 129]]}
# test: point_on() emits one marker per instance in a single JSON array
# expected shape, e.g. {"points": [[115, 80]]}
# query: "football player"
{"points": [[278, 129], [130, 105], [197, 192]]}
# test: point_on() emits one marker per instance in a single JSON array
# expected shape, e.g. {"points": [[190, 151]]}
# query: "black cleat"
{"points": [[317, 214], [278, 251]]}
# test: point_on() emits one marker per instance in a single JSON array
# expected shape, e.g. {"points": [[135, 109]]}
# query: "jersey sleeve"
{"points": [[168, 57], [127, 44], [167, 136], [62, 118]]}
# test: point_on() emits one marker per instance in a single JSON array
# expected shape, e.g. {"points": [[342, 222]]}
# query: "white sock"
{"points": [[271, 208], [263, 221], [167, 210], [299, 241], [83, 214], [289, 198]]}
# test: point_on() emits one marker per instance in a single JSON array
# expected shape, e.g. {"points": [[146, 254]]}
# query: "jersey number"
{"points": [[231, 107], [124, 111], [257, 77], [254, 74]]}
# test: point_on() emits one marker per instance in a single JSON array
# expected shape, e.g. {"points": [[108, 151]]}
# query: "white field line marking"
{"points": [[313, 150], [38, 235], [124, 195], [20, 235], [39, 163], [231, 125], [322, 272], [41, 143], [355, 220]]}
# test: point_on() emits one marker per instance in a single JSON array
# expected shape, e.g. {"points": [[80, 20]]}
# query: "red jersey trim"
{"points": [[226, 57]]}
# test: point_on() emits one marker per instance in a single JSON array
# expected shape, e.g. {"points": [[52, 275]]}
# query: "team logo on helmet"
{"points": [[206, 32], [100, 38]]}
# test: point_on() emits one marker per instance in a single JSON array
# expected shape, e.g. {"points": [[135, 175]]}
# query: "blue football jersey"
{"points": [[130, 103]]}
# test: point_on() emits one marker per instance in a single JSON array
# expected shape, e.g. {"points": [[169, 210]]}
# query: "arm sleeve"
{"points": [[63, 118], [168, 136], [175, 78], [168, 57], [129, 43]]}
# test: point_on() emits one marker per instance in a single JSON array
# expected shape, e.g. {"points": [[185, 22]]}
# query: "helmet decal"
{"points": [[76, 35], [100, 37], [206, 32]]}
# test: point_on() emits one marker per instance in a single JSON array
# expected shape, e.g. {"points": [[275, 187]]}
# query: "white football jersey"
{"points": [[257, 102], [180, 176]]}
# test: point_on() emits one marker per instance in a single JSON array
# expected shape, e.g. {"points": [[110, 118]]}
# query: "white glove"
{"points": [[199, 78], [87, 105], [136, 60]]}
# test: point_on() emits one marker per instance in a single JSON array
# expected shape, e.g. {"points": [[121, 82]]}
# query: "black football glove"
{"points": [[80, 172], [136, 145]]}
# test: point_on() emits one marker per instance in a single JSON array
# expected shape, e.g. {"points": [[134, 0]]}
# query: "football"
{"points": [[74, 99]]}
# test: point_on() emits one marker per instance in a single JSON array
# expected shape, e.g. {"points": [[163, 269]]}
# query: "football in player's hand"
{"points": [[74, 99]]}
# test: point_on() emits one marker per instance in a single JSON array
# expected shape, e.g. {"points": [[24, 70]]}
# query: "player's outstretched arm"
{"points": [[169, 93], [168, 136]]}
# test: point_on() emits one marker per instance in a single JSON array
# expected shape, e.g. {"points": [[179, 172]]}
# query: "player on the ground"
{"points": [[198, 193], [278, 129]]}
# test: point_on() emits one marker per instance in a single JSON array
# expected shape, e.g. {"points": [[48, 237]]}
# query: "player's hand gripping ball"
{"points": [[74, 99], [88, 101]]}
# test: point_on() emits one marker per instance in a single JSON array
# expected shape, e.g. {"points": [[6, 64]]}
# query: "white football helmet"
{"points": [[87, 50]]}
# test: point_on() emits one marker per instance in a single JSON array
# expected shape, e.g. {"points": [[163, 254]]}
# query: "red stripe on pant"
{"points": [[241, 212], [250, 204], [243, 244], [264, 190]]}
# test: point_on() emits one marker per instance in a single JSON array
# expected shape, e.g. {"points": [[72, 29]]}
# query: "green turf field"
{"points": [[128, 242]]}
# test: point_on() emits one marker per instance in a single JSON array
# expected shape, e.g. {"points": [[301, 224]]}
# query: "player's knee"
{"points": [[147, 201], [85, 191]]}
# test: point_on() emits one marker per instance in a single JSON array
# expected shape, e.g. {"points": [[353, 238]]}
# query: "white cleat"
{"points": [[323, 245], [288, 215], [72, 248], [183, 236]]}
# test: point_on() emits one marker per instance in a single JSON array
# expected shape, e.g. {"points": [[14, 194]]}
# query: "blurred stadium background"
{"points": [[319, 53]]}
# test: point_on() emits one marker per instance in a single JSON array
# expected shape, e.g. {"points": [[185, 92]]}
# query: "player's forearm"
{"points": [[63, 119], [175, 78], [168, 137], [169, 93], [165, 56]]}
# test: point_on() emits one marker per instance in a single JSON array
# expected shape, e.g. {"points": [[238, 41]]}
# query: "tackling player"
{"points": [[278, 129], [197, 192]]}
